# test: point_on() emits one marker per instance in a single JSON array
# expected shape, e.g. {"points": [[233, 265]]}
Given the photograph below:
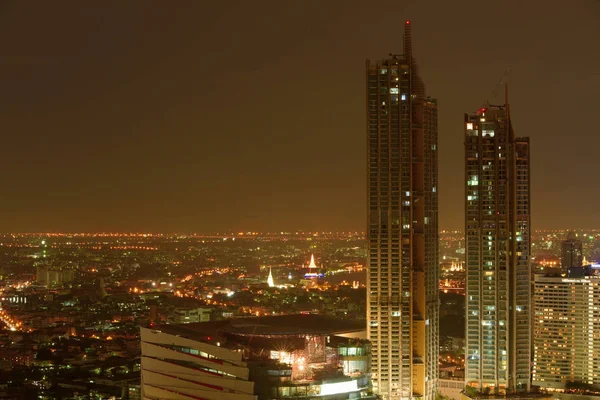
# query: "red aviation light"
{"points": [[407, 22], [482, 110]]}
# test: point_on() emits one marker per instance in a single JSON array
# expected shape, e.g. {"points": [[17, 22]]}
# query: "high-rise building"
{"points": [[565, 331], [497, 226], [571, 252], [402, 218]]}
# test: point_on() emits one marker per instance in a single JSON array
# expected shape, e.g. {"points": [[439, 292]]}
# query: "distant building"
{"points": [[52, 276], [498, 251], [571, 255], [312, 262], [282, 357], [188, 315], [402, 228], [313, 272], [101, 288], [566, 333], [270, 280]]}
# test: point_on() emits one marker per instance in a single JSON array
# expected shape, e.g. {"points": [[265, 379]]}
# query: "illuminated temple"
{"points": [[313, 271], [312, 262], [270, 280]]}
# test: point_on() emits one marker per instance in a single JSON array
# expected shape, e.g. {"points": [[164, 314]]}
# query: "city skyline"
{"points": [[317, 200], [123, 127]]}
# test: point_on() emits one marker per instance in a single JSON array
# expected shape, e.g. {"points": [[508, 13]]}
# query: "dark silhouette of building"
{"points": [[571, 255]]}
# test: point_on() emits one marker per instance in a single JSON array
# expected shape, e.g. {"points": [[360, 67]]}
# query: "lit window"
{"points": [[469, 126], [394, 90], [403, 97]]}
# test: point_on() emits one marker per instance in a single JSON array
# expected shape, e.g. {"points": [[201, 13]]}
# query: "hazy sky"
{"points": [[250, 115]]}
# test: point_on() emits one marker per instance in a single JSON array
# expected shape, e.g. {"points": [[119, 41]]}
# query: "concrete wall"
{"points": [[451, 388]]}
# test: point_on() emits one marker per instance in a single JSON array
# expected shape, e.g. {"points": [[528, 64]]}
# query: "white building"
{"points": [[174, 367], [566, 331]]}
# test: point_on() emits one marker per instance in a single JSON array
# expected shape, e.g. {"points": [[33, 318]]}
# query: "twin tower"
{"points": [[402, 233]]}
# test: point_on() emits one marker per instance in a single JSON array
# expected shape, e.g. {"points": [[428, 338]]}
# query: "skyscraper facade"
{"points": [[402, 218], [497, 214], [571, 252], [566, 335]]}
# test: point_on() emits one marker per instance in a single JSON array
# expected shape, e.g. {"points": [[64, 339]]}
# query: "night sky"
{"points": [[198, 116]]}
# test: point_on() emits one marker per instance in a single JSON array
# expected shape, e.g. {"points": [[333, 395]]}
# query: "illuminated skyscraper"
{"points": [[497, 230], [402, 218]]}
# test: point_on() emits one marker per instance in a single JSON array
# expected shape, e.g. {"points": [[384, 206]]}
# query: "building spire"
{"points": [[270, 281], [511, 133], [407, 42], [417, 86], [312, 262]]}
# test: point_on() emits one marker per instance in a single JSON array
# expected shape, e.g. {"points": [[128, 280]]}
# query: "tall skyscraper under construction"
{"points": [[402, 217], [497, 229]]}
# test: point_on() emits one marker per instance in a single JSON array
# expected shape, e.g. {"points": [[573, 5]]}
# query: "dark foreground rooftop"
{"points": [[277, 325]]}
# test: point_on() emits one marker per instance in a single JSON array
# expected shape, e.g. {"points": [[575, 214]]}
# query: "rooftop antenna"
{"points": [[503, 81], [407, 42]]}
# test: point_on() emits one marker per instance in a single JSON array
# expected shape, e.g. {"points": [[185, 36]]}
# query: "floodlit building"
{"points": [[566, 333], [270, 280], [497, 227], [188, 315], [312, 264], [276, 357], [402, 231]]}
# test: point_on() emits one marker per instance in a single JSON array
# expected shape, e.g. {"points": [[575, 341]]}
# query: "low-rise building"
{"points": [[288, 356], [188, 315]]}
